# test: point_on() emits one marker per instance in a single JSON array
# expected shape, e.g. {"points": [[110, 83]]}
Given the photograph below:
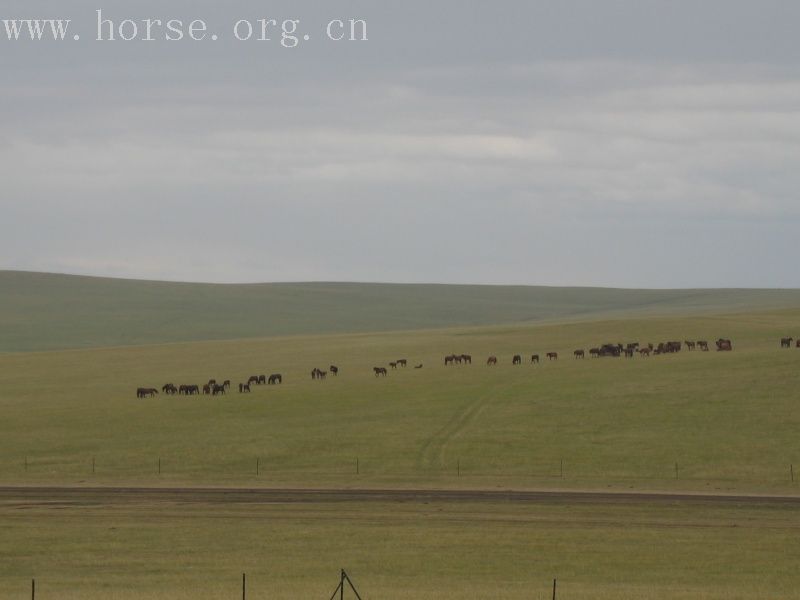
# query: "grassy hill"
{"points": [[40, 311]]}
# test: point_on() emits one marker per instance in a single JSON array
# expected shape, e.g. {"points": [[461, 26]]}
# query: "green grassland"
{"points": [[700, 422], [729, 420], [400, 551], [41, 311]]}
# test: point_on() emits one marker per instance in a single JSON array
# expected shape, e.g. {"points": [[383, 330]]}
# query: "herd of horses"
{"points": [[629, 350]]}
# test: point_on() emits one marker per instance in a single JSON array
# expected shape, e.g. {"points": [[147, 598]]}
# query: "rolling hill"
{"points": [[41, 311]]}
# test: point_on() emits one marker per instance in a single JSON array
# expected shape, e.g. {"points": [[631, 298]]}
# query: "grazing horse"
{"points": [[183, 390], [191, 390], [449, 360], [552, 356], [579, 354], [206, 389], [226, 384], [402, 362], [644, 351], [492, 361], [594, 352], [690, 345], [253, 379], [244, 388], [274, 379], [146, 392], [535, 359], [786, 342], [380, 371], [517, 360], [218, 389], [393, 365], [467, 359], [262, 380], [703, 345], [724, 345], [170, 389]]}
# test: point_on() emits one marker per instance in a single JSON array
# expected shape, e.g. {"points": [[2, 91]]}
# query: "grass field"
{"points": [[40, 311], [701, 422]]}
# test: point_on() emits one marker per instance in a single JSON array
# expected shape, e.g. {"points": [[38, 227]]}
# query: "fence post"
{"points": [[33, 589], [244, 586]]}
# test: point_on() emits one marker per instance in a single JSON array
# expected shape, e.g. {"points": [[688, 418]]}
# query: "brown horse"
{"points": [[402, 362], [244, 388], [690, 345], [170, 389], [786, 342], [724, 345], [552, 356], [467, 359], [380, 371], [274, 379], [253, 379], [449, 360], [703, 345], [579, 354], [492, 361], [334, 370], [206, 389], [594, 352], [393, 365], [644, 351], [517, 360], [146, 392], [535, 359]]}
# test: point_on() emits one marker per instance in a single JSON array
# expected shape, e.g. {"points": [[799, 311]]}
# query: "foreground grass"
{"points": [[400, 551], [696, 421]]}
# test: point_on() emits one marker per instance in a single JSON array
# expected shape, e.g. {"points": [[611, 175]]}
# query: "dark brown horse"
{"points": [[449, 360], [217, 390], [253, 379], [334, 370], [786, 342], [534, 359], [244, 388], [552, 356], [402, 362], [275, 379], [724, 345], [703, 345], [146, 392], [579, 354], [393, 365], [380, 371], [517, 360], [207, 389], [492, 361], [467, 359], [170, 389], [690, 345]]}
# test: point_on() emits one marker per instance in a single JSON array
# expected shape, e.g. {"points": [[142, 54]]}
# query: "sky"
{"points": [[621, 143]]}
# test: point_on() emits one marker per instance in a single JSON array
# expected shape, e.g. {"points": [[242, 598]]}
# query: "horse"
{"points": [[334, 370], [703, 345], [244, 388], [189, 390], [594, 352], [146, 392], [253, 379], [492, 361], [217, 390], [393, 365], [724, 345], [212, 382], [798, 343], [579, 354], [380, 371], [629, 352], [552, 356], [170, 389], [517, 360], [206, 389], [226, 384], [467, 359], [449, 360], [534, 359], [644, 351], [786, 342], [275, 379], [690, 345], [402, 362]]}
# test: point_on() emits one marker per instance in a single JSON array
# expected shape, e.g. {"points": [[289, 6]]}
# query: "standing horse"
{"points": [[492, 361], [402, 362], [579, 354], [517, 360], [275, 378], [535, 359], [380, 371], [786, 342], [552, 356], [467, 359]]}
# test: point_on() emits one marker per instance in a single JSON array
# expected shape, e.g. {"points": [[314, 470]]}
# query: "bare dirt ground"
{"points": [[77, 496]]}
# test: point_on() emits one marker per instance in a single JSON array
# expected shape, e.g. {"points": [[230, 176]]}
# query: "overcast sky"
{"points": [[631, 143]]}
